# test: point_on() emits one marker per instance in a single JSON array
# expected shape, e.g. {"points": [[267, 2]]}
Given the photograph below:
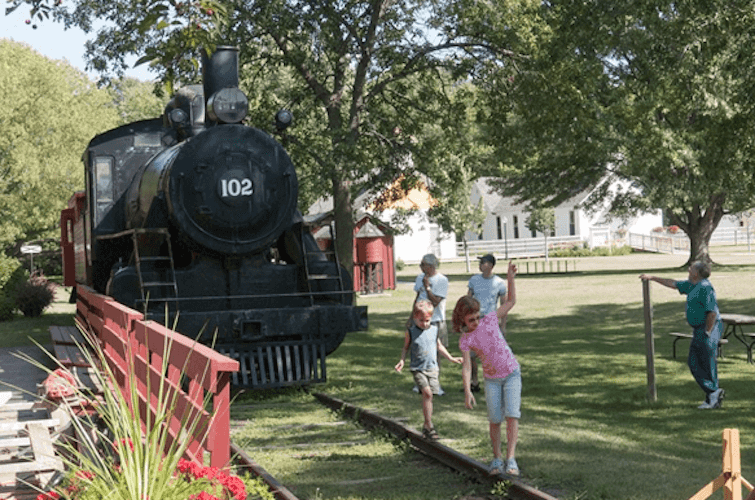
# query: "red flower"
{"points": [[123, 441], [203, 496], [85, 474], [235, 487], [48, 496], [188, 467]]}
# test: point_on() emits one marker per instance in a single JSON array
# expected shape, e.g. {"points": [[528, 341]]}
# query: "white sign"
{"points": [[31, 249]]}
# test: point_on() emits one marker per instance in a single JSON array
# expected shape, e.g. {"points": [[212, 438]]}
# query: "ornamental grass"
{"points": [[113, 456]]}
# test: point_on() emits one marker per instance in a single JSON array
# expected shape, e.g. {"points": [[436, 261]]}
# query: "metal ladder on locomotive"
{"points": [[167, 289]]}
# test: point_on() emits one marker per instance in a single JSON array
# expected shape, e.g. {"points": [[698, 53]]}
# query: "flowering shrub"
{"points": [[673, 229], [194, 481], [35, 295], [114, 457]]}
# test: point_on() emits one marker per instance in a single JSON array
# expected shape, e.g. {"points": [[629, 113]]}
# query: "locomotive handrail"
{"points": [[135, 349], [129, 232], [230, 297]]}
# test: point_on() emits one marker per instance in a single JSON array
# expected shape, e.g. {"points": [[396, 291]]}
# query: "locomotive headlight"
{"points": [[228, 105], [283, 119], [178, 117]]}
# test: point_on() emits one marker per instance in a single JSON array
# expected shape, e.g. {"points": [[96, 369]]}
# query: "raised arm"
{"points": [[663, 281], [504, 309]]}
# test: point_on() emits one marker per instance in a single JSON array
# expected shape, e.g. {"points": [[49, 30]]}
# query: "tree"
{"points": [[360, 71], [135, 100], [542, 219], [456, 155], [657, 93], [49, 112]]}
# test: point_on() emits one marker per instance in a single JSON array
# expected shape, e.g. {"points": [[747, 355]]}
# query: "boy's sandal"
{"points": [[430, 434], [496, 466], [511, 467]]}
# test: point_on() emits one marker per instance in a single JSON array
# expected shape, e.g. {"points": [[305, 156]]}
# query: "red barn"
{"points": [[374, 269]]}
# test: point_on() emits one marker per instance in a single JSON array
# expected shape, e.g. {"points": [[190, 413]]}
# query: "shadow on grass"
{"points": [[585, 394]]}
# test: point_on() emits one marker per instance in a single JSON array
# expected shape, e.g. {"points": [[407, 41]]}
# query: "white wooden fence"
{"points": [[603, 237]]}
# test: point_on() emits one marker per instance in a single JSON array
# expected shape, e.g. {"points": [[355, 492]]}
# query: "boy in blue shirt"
{"points": [[487, 288], [422, 339]]}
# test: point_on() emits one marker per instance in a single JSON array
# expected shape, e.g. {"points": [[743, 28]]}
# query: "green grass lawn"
{"points": [[587, 430], [21, 329]]}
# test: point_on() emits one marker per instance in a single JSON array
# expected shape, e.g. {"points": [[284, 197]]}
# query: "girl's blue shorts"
{"points": [[503, 397]]}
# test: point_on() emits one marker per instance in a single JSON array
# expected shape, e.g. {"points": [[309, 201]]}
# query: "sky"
{"points": [[51, 40]]}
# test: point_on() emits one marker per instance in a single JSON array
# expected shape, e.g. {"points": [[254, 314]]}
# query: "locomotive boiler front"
{"points": [[230, 189]]}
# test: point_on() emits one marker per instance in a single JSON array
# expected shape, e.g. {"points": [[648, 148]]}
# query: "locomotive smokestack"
{"points": [[225, 103], [220, 70]]}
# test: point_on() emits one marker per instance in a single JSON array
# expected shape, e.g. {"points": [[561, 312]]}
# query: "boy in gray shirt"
{"points": [[421, 339]]}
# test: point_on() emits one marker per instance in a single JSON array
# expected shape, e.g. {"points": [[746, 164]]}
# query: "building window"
{"points": [[515, 223], [572, 223], [498, 226]]}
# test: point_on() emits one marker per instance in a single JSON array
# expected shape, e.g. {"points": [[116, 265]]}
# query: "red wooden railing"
{"points": [[195, 373]]}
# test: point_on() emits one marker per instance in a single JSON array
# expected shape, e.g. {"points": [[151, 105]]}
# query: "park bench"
{"points": [[68, 343], [679, 336]]}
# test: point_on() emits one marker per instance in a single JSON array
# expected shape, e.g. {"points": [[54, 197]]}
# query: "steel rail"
{"points": [[517, 490], [246, 462]]}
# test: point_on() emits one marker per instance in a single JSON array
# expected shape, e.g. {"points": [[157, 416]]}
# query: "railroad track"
{"points": [[517, 489]]}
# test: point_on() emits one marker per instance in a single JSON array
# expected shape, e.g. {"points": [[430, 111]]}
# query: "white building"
{"points": [[508, 221], [505, 221]]}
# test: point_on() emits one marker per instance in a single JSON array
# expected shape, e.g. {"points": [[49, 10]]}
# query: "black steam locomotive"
{"points": [[191, 218]]}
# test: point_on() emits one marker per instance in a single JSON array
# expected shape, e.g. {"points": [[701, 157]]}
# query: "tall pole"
{"points": [[649, 342], [506, 237]]}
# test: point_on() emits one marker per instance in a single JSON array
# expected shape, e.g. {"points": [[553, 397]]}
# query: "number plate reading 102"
{"points": [[234, 187]]}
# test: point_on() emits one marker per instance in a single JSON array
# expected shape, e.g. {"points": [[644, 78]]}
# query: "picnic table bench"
{"points": [[679, 336], [68, 342]]}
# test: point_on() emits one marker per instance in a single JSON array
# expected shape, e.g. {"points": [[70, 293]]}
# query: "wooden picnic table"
{"points": [[734, 324]]}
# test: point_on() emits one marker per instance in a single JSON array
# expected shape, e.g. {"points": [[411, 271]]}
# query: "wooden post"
{"points": [[649, 341], [731, 479], [732, 465]]}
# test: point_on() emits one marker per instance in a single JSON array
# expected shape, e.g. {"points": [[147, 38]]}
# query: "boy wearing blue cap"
{"points": [[487, 288]]}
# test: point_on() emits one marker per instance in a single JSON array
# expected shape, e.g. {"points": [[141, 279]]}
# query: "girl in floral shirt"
{"points": [[503, 379]]}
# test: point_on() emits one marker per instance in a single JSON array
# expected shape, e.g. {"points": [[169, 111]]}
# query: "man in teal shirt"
{"points": [[704, 318]]}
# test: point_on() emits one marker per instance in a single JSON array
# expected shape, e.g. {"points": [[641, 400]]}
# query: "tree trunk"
{"points": [[699, 225], [466, 253], [343, 215]]}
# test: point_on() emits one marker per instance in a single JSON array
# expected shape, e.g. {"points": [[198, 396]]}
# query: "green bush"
{"points": [[12, 273], [400, 265], [10, 270], [7, 306], [583, 251], [34, 296]]}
